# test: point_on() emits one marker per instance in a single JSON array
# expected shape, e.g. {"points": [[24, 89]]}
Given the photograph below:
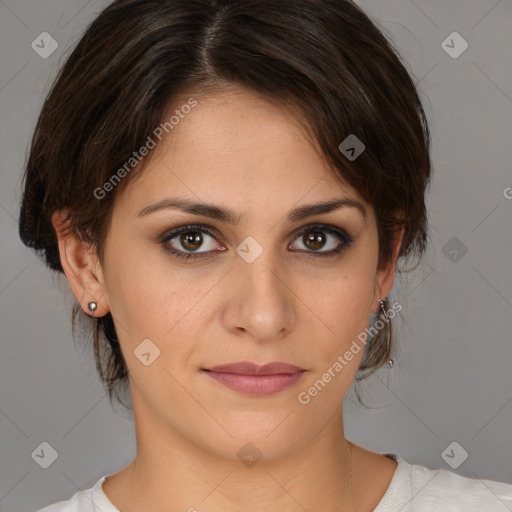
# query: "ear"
{"points": [[386, 275], [81, 266]]}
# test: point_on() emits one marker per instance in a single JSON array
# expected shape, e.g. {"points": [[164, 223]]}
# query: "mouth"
{"points": [[251, 379]]}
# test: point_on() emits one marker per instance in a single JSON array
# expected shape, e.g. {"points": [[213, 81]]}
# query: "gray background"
{"points": [[452, 379]]}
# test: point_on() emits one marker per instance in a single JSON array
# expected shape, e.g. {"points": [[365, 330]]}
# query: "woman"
{"points": [[228, 188]]}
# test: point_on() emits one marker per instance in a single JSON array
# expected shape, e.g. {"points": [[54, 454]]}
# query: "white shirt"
{"points": [[414, 488]]}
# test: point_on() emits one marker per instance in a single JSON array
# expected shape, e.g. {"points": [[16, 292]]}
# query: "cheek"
{"points": [[345, 295], [339, 303], [344, 308], [151, 299]]}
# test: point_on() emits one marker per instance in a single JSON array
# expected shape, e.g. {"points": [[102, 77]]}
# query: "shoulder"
{"points": [[89, 500], [420, 489]]}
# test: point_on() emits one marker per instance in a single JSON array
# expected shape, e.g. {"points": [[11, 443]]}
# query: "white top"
{"points": [[414, 488]]}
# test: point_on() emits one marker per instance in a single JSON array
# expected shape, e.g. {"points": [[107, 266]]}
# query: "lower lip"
{"points": [[256, 384]]}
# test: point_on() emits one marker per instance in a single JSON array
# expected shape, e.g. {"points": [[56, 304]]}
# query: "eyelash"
{"points": [[345, 239]]}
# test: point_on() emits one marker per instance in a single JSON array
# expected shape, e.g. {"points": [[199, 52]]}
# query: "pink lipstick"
{"points": [[252, 379]]}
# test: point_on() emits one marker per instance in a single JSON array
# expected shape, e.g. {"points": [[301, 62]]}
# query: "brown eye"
{"points": [[191, 240], [185, 242], [315, 238]]}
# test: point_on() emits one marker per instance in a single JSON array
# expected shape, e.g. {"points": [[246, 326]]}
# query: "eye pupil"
{"points": [[317, 238], [191, 238]]}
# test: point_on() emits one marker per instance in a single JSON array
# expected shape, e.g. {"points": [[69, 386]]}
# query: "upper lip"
{"points": [[248, 368]]}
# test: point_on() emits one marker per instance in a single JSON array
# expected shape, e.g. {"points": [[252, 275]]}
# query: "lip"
{"points": [[251, 379], [248, 368]]}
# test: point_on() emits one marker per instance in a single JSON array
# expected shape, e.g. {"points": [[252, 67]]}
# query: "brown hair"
{"points": [[323, 59]]}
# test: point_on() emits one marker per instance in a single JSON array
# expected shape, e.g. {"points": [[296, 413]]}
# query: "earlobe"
{"points": [[386, 275], [81, 267]]}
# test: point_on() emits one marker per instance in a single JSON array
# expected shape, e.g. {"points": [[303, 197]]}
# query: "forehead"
{"points": [[237, 145]]}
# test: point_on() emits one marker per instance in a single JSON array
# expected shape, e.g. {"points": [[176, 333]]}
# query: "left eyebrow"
{"points": [[229, 216]]}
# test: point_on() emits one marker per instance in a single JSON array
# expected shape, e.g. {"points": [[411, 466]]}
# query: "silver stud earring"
{"points": [[382, 307], [92, 307]]}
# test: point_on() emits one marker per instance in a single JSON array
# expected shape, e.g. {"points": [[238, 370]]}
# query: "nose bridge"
{"points": [[264, 298], [259, 265]]}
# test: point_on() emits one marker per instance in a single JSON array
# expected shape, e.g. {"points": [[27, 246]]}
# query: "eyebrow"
{"points": [[228, 216]]}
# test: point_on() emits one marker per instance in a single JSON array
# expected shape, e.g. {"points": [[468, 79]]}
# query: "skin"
{"points": [[237, 150]]}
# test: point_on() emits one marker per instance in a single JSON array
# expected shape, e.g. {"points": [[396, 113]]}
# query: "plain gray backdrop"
{"points": [[449, 395]]}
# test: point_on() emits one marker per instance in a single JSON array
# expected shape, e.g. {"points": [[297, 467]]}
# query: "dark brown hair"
{"points": [[325, 60]]}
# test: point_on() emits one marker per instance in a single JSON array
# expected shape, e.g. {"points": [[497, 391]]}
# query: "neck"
{"points": [[170, 469]]}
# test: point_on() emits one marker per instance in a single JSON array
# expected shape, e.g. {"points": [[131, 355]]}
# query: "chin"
{"points": [[259, 435]]}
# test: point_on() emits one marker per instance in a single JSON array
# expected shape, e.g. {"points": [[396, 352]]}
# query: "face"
{"points": [[268, 288]]}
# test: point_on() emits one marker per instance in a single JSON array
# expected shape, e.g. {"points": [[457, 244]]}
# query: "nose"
{"points": [[261, 299]]}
